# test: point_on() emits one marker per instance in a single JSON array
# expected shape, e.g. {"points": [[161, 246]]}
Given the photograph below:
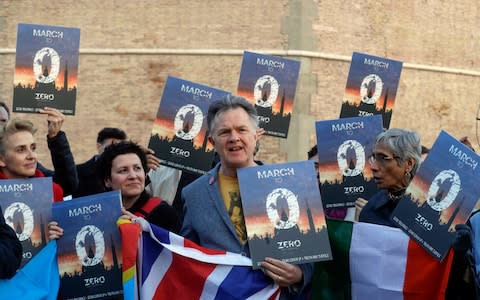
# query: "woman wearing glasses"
{"points": [[394, 161]]}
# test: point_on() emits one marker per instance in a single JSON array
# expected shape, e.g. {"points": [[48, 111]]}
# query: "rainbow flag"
{"points": [[130, 233]]}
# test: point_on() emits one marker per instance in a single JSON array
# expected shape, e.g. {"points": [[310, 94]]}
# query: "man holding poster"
{"points": [[213, 211]]}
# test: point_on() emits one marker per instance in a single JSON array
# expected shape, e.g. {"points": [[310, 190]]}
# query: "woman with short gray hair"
{"points": [[394, 161]]}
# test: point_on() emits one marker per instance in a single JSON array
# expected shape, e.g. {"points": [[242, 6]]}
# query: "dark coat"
{"points": [[88, 181], [10, 250], [378, 210], [65, 173], [163, 215]]}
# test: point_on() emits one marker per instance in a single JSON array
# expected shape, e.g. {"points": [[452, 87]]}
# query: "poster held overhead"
{"points": [[371, 87], [46, 68], [179, 134], [269, 83]]}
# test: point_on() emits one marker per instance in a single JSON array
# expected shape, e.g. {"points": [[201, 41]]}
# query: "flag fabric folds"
{"points": [[378, 262], [130, 233], [171, 267], [37, 280]]}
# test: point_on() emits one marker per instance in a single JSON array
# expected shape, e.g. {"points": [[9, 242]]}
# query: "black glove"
{"points": [[463, 239]]}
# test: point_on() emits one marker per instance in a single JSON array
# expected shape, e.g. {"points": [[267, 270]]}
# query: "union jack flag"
{"points": [[171, 267]]}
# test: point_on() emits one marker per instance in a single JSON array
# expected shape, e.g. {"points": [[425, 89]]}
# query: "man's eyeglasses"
{"points": [[380, 158]]}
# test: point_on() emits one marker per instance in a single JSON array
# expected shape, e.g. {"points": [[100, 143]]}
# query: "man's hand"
{"points": [[54, 120], [152, 161], [260, 132], [284, 274]]}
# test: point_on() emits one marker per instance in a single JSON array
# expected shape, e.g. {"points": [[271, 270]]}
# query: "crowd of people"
{"points": [[193, 205]]}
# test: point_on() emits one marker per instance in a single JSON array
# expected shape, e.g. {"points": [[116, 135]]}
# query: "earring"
{"points": [[408, 175]]}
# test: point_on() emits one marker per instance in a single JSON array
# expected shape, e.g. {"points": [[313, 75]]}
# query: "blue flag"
{"points": [[37, 280]]}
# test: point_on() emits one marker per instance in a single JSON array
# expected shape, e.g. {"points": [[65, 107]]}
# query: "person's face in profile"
{"points": [[388, 171]]}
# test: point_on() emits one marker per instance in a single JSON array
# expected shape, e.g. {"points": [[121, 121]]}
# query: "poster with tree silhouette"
{"points": [[269, 83], [89, 252], [344, 146], [46, 68], [442, 194], [371, 87], [179, 134], [283, 213], [27, 208]]}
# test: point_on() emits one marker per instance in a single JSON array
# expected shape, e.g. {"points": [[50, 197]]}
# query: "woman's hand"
{"points": [[359, 204], [127, 215], [54, 231], [55, 120]]}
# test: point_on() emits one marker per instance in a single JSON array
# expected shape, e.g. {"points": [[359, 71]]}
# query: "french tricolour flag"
{"points": [[171, 267]]}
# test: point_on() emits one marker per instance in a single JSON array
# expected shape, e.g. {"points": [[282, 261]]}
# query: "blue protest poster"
{"points": [[371, 87], [26, 205], [344, 146], [179, 134], [283, 213], [269, 83], [442, 194], [46, 68], [89, 253]]}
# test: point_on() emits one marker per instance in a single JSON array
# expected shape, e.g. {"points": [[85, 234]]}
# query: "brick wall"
{"points": [[123, 90]]}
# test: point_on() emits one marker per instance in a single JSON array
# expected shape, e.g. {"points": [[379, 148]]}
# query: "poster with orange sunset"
{"points": [[283, 213], [89, 252], [27, 206], [371, 87], [442, 194], [46, 68], [179, 134], [344, 146], [269, 83]]}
